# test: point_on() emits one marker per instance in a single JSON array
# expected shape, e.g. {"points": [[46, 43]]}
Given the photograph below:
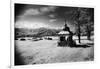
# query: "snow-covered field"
{"points": [[47, 51]]}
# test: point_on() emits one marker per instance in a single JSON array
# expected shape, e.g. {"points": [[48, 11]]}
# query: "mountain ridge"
{"points": [[39, 32]]}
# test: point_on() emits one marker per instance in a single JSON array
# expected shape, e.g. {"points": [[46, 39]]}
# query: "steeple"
{"points": [[66, 28]]}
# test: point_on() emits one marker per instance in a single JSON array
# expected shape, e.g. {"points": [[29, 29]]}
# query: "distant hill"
{"points": [[19, 32]]}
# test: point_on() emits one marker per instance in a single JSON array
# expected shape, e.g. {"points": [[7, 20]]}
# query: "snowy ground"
{"points": [[47, 51]]}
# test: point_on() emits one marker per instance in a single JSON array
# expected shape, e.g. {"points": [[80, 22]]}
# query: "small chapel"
{"points": [[66, 37]]}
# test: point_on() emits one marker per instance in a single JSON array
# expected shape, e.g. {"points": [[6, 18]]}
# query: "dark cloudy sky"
{"points": [[36, 16]]}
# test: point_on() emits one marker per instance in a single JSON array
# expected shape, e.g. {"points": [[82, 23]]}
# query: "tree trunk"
{"points": [[79, 33], [88, 33]]}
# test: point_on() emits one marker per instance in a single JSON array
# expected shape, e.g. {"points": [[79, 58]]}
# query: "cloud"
{"points": [[52, 20], [47, 9], [32, 12], [30, 25], [39, 11], [51, 15]]}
